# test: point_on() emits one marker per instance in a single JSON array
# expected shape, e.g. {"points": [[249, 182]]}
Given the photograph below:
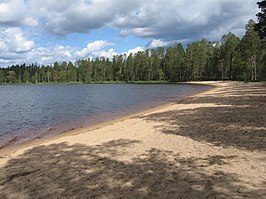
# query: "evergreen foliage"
{"points": [[231, 59], [261, 25]]}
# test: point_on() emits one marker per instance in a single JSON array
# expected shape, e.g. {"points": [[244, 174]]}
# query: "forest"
{"points": [[232, 58]]}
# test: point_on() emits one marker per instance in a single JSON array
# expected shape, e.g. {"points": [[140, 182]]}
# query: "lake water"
{"points": [[34, 111]]}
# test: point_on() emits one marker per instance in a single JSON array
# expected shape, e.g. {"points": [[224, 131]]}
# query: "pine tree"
{"points": [[261, 25]]}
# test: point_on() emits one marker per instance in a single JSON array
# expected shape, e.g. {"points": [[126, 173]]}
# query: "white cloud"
{"points": [[16, 48], [162, 22], [14, 40], [186, 19], [30, 21], [154, 19], [15, 13], [92, 47], [134, 50], [157, 43], [2, 45], [106, 54], [6, 62], [12, 10], [50, 54], [67, 16]]}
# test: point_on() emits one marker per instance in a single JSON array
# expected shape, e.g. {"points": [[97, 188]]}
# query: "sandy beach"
{"points": [[211, 145]]}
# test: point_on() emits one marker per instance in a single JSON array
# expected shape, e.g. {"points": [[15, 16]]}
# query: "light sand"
{"points": [[212, 145]]}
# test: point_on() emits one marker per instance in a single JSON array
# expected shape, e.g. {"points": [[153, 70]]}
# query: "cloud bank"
{"points": [[162, 22]]}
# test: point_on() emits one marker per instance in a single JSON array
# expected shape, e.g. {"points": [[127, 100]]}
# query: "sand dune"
{"points": [[212, 145]]}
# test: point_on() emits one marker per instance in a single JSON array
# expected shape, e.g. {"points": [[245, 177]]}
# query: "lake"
{"points": [[34, 111]]}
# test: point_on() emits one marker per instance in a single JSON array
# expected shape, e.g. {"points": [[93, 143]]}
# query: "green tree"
{"points": [[213, 70], [228, 49], [71, 73], [129, 68], [180, 62], [11, 76], [142, 64], [48, 75], [26, 76], [170, 58], [155, 61], [196, 59], [261, 25], [250, 47], [2, 77]]}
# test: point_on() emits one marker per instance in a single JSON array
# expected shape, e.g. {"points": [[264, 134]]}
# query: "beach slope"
{"points": [[212, 145]]}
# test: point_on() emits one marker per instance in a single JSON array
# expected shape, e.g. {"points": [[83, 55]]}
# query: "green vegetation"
{"points": [[261, 25], [231, 59]]}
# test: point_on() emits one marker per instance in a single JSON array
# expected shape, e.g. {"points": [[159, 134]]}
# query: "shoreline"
{"points": [[10, 147], [209, 145]]}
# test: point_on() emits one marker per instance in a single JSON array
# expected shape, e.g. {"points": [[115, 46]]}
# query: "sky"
{"points": [[45, 31]]}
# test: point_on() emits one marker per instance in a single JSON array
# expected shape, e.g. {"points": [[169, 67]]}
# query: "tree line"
{"points": [[233, 58]]}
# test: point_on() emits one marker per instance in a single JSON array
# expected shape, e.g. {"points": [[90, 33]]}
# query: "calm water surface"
{"points": [[33, 111]]}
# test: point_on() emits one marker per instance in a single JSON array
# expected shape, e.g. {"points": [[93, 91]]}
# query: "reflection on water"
{"points": [[33, 110]]}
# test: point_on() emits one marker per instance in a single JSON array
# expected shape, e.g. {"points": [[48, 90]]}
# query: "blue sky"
{"points": [[45, 31]]}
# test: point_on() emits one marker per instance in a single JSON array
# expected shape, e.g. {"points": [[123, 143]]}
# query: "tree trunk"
{"points": [[254, 68]]}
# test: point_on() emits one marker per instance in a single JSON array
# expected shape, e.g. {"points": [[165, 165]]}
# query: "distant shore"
{"points": [[211, 144], [96, 82], [119, 82]]}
